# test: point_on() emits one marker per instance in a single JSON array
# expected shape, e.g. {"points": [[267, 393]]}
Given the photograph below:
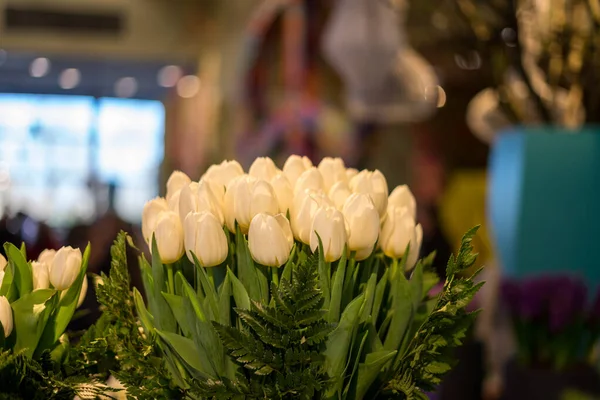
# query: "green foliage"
{"points": [[24, 378], [115, 341], [280, 346], [429, 353]]}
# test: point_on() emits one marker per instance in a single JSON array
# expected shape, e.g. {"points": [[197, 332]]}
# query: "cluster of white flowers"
{"points": [[343, 207], [53, 269]]}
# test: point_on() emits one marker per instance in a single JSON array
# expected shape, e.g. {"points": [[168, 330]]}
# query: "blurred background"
{"points": [[100, 100]]}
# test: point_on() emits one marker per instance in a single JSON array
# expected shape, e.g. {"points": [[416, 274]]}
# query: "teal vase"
{"points": [[544, 201]]}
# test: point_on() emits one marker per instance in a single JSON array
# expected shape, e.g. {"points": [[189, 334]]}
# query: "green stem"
{"points": [[275, 276], [394, 268], [211, 276], [170, 278]]}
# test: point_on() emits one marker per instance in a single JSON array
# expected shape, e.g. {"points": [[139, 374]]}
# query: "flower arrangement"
{"points": [[37, 302], [303, 282], [555, 323]]}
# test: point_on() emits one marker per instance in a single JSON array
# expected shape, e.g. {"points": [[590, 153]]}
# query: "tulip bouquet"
{"points": [[37, 302], [302, 282]]}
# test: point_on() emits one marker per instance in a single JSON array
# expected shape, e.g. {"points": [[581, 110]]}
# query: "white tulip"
{"points": [[169, 237], [222, 174], [41, 279], [294, 167], [310, 179], [263, 168], [198, 197], [47, 256], [149, 219], [283, 191], [338, 194], [270, 239], [247, 196], [176, 182], [351, 173], [330, 226], [3, 262], [363, 223], [374, 184], [6, 316], [1, 277], [333, 170], [173, 201], [401, 196], [65, 267], [303, 211], [204, 237], [83, 291], [398, 231]]}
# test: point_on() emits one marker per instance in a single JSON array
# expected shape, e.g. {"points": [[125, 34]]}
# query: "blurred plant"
{"points": [[555, 326], [545, 57]]}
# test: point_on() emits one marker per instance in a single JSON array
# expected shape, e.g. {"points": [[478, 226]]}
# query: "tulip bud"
{"points": [[363, 223], [41, 279], [149, 219], [169, 237], [65, 267], [351, 173], [398, 231], [6, 316], [373, 184], [415, 248], [198, 197], [330, 226], [247, 196], [294, 167], [47, 256], [263, 168], [1, 278], [82, 292], [204, 237], [270, 239], [222, 174], [283, 191], [338, 194], [176, 182], [310, 179], [304, 208], [401, 196], [333, 170], [3, 262]]}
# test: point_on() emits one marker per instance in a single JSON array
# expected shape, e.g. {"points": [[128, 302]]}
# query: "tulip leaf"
{"points": [[225, 301], [338, 343], [66, 307], [31, 313], [337, 290], [368, 371], [163, 317], [246, 270], [289, 265], [324, 275], [146, 318], [207, 286], [21, 269], [353, 361], [177, 307], [348, 293], [194, 301], [402, 305], [416, 285], [240, 295], [8, 289], [369, 296], [379, 296], [148, 282], [175, 364], [184, 347]]}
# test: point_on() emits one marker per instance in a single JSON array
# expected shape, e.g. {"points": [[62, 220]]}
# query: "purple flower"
{"points": [[567, 303]]}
